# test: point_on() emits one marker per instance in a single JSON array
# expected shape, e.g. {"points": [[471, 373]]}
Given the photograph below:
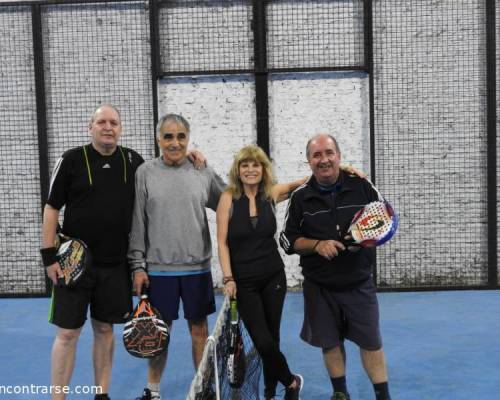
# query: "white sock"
{"points": [[154, 387]]}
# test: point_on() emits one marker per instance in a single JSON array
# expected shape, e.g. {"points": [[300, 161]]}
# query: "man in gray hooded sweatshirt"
{"points": [[170, 247]]}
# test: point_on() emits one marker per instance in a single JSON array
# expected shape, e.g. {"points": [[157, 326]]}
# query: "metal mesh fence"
{"points": [[94, 54], [204, 36], [430, 108], [20, 271], [430, 130], [315, 33]]}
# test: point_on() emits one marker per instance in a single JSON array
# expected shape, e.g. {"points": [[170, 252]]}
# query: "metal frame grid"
{"points": [[315, 35], [109, 41], [20, 271], [430, 141], [205, 37]]}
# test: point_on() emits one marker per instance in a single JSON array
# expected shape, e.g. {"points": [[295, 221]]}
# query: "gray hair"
{"points": [[316, 137], [178, 119], [92, 118]]}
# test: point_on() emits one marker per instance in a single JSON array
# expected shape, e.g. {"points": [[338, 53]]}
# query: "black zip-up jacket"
{"points": [[314, 214]]}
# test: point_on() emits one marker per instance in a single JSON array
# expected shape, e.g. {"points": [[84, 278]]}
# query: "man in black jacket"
{"points": [[339, 295]]}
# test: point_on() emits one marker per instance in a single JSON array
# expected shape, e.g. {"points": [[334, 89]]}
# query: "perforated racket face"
{"points": [[145, 335], [73, 257], [374, 224]]}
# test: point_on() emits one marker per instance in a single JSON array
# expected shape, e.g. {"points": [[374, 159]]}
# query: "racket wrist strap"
{"points": [[316, 245], [49, 256]]}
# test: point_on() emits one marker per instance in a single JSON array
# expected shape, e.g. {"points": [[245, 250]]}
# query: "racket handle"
{"points": [[233, 311], [144, 291]]}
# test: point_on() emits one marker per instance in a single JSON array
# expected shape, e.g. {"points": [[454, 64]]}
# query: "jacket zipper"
{"points": [[335, 214]]}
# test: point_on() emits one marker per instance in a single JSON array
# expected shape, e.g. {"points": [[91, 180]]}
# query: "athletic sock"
{"points": [[154, 387], [339, 384], [382, 391]]}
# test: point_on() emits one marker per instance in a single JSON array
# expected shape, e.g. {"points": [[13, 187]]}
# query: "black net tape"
{"points": [[315, 34], [20, 215], [205, 36], [94, 54], [430, 134]]}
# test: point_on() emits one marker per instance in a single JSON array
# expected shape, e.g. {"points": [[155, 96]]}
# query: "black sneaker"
{"points": [[149, 395], [294, 393]]}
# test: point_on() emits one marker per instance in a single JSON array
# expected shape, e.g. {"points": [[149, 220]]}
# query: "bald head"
{"points": [[108, 107], [321, 135]]}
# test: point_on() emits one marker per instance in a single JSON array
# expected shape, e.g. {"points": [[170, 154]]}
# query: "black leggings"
{"points": [[260, 303]]}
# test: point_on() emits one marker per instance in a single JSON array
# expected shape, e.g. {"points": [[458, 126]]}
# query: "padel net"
{"points": [[212, 380]]}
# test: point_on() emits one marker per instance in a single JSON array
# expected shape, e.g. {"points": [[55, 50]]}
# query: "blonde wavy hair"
{"points": [[251, 153]]}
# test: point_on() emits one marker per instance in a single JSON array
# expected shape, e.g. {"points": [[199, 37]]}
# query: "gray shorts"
{"points": [[330, 317]]}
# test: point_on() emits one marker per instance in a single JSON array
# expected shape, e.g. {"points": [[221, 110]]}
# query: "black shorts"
{"points": [[108, 290], [330, 317]]}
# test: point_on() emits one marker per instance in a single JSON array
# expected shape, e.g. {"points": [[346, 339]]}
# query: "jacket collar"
{"points": [[344, 183]]}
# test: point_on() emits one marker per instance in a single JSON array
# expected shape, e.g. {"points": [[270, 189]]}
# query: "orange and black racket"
{"points": [[145, 334]]}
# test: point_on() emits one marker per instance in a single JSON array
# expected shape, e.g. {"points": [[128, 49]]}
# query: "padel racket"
{"points": [[145, 334], [73, 256], [374, 224], [236, 364]]}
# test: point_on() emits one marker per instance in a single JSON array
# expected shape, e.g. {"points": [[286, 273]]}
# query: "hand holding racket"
{"points": [[329, 248], [141, 281], [373, 225], [145, 334], [54, 272], [236, 363]]}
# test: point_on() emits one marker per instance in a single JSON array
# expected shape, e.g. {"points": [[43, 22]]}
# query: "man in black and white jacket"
{"points": [[339, 294]]}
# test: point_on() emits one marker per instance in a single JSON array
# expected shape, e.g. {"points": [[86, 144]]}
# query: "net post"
{"points": [[154, 41], [41, 112], [368, 64], [492, 144], [261, 73]]}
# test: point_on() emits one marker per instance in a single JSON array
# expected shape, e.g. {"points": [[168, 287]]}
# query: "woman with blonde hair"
{"points": [[253, 271]]}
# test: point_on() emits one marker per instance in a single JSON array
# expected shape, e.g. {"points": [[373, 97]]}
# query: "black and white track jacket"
{"points": [[314, 214]]}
